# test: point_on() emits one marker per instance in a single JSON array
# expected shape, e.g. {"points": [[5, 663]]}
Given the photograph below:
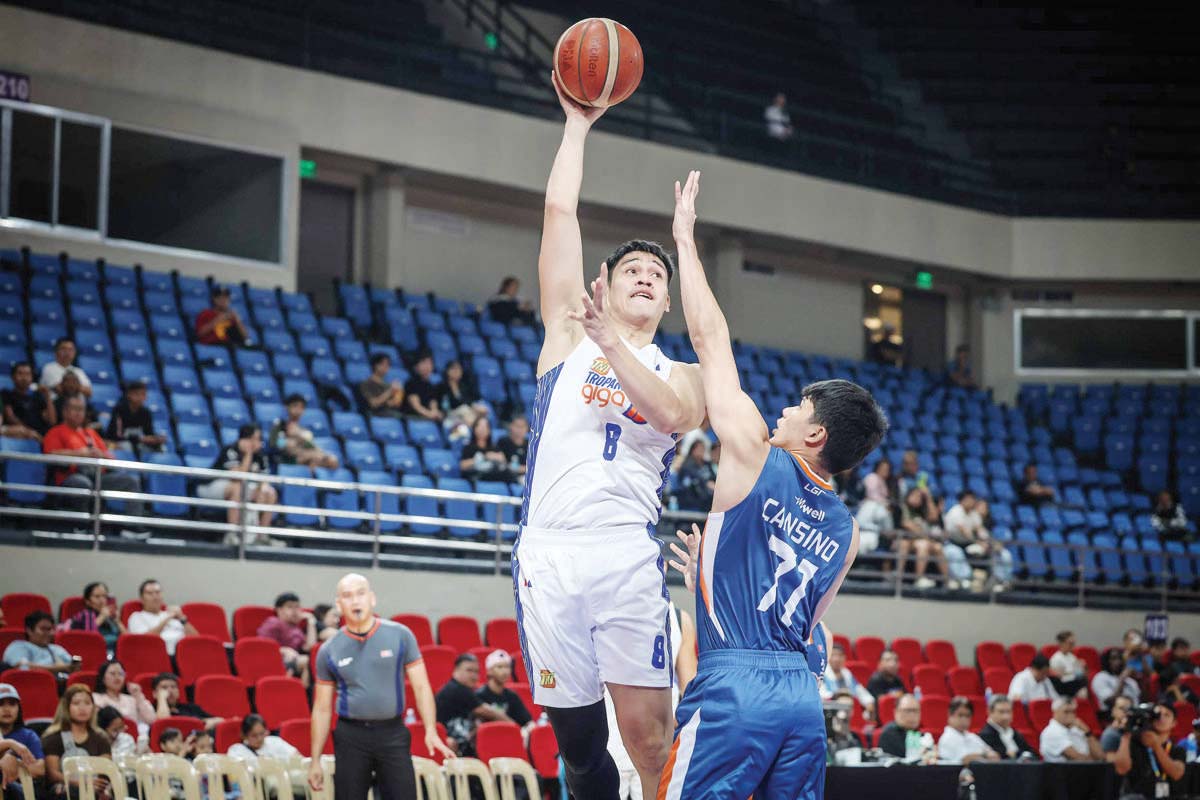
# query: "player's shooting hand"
{"points": [[574, 111], [689, 558], [593, 317], [435, 745], [684, 224]]}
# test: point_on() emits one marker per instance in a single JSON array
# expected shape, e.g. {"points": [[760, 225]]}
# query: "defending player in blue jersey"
{"points": [[774, 552]]}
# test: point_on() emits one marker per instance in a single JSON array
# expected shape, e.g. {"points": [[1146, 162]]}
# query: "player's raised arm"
{"points": [[731, 412]]}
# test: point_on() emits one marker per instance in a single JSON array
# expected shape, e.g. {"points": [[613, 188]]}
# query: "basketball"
{"points": [[598, 62]]}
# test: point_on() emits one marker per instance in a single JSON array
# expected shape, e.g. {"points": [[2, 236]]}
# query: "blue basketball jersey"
{"points": [[766, 563]]}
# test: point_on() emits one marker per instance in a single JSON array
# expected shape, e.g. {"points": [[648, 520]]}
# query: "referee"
{"points": [[367, 662]]}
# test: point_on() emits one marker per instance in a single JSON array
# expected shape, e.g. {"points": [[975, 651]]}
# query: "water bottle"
{"points": [[966, 784], [543, 720], [410, 717]]}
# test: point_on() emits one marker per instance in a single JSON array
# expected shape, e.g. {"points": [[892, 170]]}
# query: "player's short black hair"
{"points": [[640, 246], [854, 423]]}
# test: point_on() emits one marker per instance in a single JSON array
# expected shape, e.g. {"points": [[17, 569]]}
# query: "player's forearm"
{"points": [[653, 397], [319, 731], [705, 321], [427, 709], [566, 176]]}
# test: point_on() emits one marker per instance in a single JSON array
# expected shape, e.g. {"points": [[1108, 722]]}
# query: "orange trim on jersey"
{"points": [[704, 589], [417, 663], [325, 683], [812, 474], [362, 637], [664, 782]]}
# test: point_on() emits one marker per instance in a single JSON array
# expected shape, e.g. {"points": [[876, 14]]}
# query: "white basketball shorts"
{"points": [[592, 609]]}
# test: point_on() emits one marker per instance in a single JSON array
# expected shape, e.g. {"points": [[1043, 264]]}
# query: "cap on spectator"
{"points": [[497, 657], [9, 692]]}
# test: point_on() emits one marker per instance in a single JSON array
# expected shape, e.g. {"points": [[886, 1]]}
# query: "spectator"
{"points": [[383, 399], [72, 438], [166, 701], [159, 619], [328, 622], [1181, 658], [998, 732], [1066, 738], [1173, 690], [459, 708], [422, 397], [1068, 673], [244, 455], [507, 306], [256, 742], [1032, 492], [697, 479], [1154, 768], [460, 402], [881, 485], [911, 477], [28, 412], [97, 615], [37, 650], [1110, 737], [221, 323], [203, 744], [73, 732], [112, 689], [840, 682], [68, 388], [294, 641], [171, 742], [20, 746], [481, 459], [1114, 678], [965, 529], [958, 371], [957, 744], [294, 442], [1169, 518], [515, 446], [1137, 658], [888, 349], [64, 362], [131, 425], [920, 538], [1033, 682], [886, 679], [779, 121], [109, 720], [902, 736], [496, 694]]}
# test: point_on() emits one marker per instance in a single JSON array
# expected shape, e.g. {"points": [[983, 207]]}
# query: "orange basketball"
{"points": [[598, 62]]}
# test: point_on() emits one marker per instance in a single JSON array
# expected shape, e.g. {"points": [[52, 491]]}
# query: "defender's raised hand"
{"points": [[689, 558], [594, 318], [683, 226]]}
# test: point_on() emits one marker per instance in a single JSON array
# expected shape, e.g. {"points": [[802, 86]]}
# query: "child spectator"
{"points": [[110, 721], [131, 425]]}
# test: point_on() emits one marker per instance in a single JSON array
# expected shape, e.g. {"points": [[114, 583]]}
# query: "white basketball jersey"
{"points": [[594, 462]]}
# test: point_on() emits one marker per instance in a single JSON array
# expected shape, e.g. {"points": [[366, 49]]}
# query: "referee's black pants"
{"points": [[373, 753]]}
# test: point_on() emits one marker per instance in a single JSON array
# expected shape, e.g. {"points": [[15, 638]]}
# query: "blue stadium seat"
{"points": [[429, 320], [252, 362], [303, 323], [503, 348], [231, 411], [343, 500], [190, 407], [180, 379], [1183, 567], [486, 367], [517, 370], [420, 506], [388, 503], [462, 326], [387, 430], [315, 345], [12, 307], [295, 495], [1110, 560], [402, 458], [278, 342], [349, 350], [295, 302], [337, 328], [326, 370], [160, 303], [135, 346], [1073, 518], [440, 462], [317, 421], [89, 342], [490, 329], [25, 472], [167, 327], [174, 485], [302, 387], [1030, 553], [1062, 566], [221, 383], [191, 286], [1027, 516], [356, 372], [363, 455], [1118, 451], [1137, 566], [460, 509], [288, 365], [261, 388], [425, 433], [266, 413], [139, 371], [350, 425], [488, 512]]}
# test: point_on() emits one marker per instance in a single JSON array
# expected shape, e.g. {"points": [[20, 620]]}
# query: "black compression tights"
{"points": [[582, 735]]}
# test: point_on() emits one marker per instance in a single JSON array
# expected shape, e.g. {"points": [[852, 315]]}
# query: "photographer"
{"points": [[1110, 737], [1151, 767]]}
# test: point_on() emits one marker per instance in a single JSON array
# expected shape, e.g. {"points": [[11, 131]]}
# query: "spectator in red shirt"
{"points": [[71, 437], [294, 641], [221, 323]]}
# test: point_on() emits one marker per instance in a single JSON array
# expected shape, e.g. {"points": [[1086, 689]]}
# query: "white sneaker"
{"points": [[924, 583], [952, 585]]}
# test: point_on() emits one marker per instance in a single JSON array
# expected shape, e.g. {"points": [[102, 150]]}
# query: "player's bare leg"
{"points": [[646, 724]]}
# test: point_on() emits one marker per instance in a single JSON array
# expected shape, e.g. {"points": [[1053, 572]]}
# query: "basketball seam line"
{"points": [[579, 63], [614, 50]]}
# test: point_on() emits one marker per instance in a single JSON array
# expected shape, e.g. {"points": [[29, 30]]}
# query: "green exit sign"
{"points": [[308, 169], [924, 280]]}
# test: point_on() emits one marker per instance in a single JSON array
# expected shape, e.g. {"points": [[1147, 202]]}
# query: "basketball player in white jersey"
{"points": [[588, 574]]}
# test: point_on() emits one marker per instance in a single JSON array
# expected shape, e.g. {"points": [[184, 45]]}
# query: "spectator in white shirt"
{"points": [[1033, 682], [1114, 678], [874, 522], [1065, 738], [158, 618], [999, 734], [64, 362], [256, 742], [1068, 672], [964, 527], [957, 744], [779, 121], [839, 681]]}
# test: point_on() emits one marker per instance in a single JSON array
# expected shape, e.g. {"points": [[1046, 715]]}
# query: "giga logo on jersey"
{"points": [[602, 388]]}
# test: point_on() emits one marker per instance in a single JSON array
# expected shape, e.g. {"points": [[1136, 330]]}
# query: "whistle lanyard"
{"points": [[1158, 773]]}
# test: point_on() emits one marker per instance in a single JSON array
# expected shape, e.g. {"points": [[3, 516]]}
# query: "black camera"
{"points": [[1140, 718]]}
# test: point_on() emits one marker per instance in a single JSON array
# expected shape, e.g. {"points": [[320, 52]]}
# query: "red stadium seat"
{"points": [[222, 696], [416, 732], [209, 619], [940, 651], [525, 692], [979, 711], [885, 708], [185, 725], [844, 642], [1040, 714], [964, 680], [861, 670], [10, 635], [1195, 657], [439, 663], [502, 632], [1021, 719], [499, 740], [460, 633], [1090, 656], [997, 679], [88, 645], [298, 733], [988, 655], [543, 750], [17, 605], [909, 652], [520, 674], [198, 656], [1048, 650], [227, 733], [935, 712], [930, 679], [1020, 654], [419, 625], [247, 619], [1192, 682], [38, 690], [482, 653], [1184, 714], [143, 652], [128, 608], [146, 681], [313, 655], [86, 676], [279, 699], [255, 658], [1087, 715], [868, 649]]}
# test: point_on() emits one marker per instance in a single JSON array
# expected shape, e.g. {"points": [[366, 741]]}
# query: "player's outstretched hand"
{"points": [[593, 318], [435, 745], [573, 110], [684, 224], [689, 559]]}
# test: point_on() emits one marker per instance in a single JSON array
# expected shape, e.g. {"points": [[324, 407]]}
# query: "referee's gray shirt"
{"points": [[368, 670]]}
